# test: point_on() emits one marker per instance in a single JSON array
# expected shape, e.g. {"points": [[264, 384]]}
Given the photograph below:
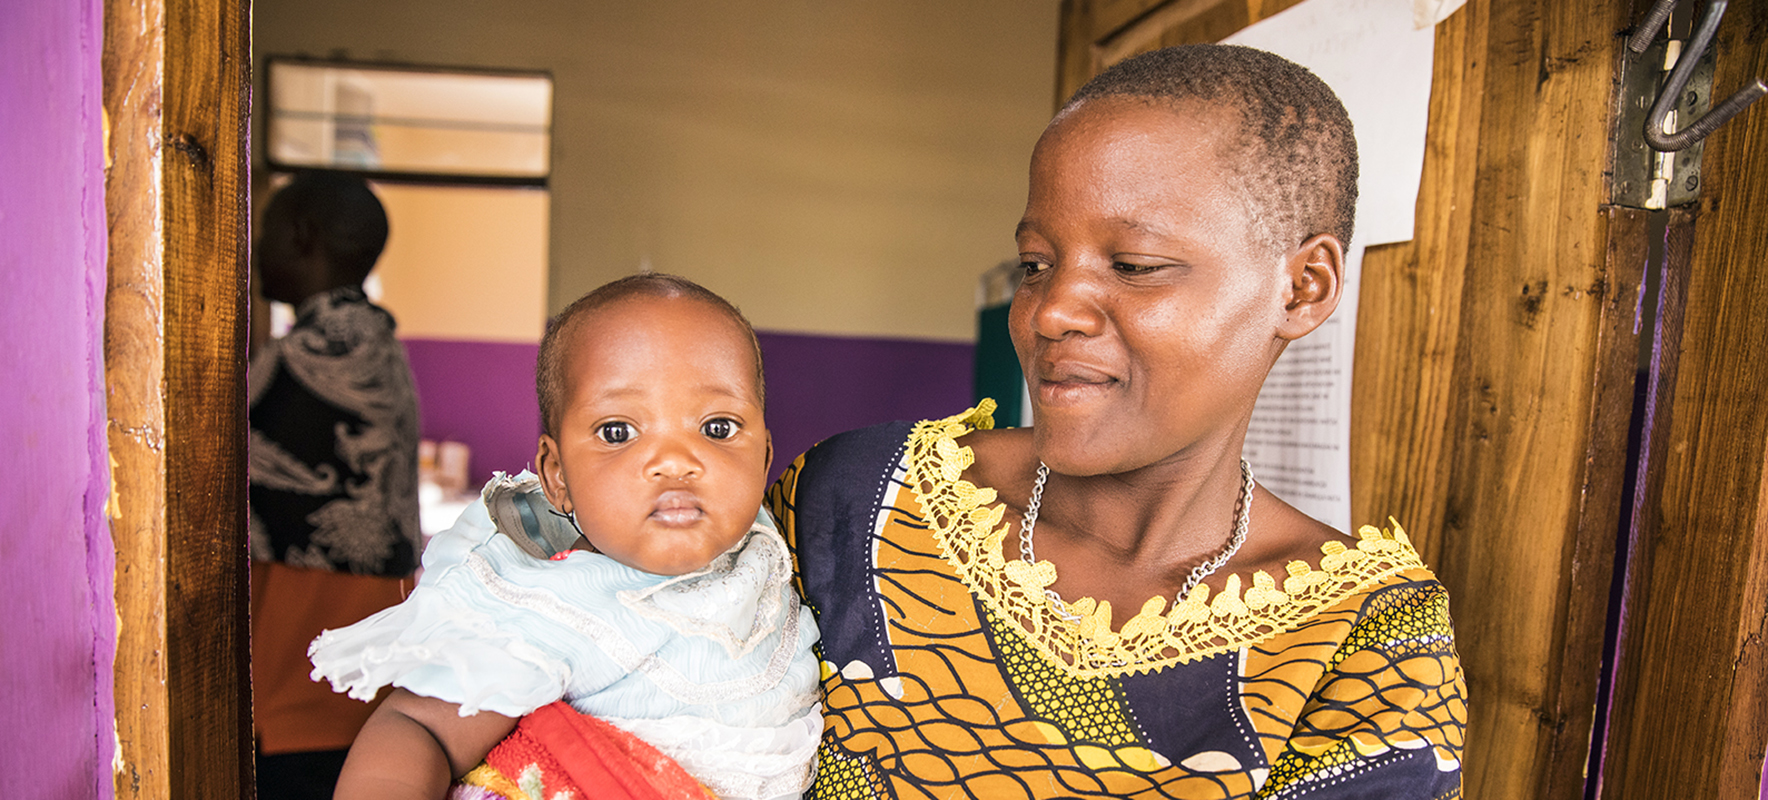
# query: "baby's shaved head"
{"points": [[550, 379], [1297, 159]]}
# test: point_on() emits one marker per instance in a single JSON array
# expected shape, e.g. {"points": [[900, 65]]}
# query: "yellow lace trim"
{"points": [[967, 521]]}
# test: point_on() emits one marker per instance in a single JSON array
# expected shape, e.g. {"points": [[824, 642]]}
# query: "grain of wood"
{"points": [[134, 374], [176, 87], [1409, 304], [1691, 691], [205, 170], [1109, 16], [1527, 365]]}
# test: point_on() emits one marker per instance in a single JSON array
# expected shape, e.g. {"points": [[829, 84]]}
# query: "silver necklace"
{"points": [[1242, 514]]}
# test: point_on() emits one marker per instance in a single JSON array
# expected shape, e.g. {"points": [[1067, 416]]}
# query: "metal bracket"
{"points": [[1643, 176], [1665, 110]]}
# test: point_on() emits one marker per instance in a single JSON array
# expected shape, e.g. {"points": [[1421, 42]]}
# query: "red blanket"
{"points": [[555, 750]]}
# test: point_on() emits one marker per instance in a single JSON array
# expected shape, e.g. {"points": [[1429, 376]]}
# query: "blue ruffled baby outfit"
{"points": [[714, 668]]}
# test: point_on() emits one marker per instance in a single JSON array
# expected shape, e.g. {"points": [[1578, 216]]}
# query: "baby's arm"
{"points": [[414, 746]]}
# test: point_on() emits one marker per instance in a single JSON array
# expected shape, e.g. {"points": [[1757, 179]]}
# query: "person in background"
{"points": [[333, 465]]}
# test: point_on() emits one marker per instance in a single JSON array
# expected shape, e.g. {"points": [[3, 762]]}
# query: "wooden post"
{"points": [[134, 369], [1690, 703], [177, 80]]}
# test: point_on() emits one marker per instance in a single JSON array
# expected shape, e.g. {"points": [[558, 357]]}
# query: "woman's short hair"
{"points": [[1297, 159]]}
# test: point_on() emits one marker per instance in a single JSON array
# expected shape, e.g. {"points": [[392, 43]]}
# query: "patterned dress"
{"points": [[334, 523], [334, 427], [946, 672]]}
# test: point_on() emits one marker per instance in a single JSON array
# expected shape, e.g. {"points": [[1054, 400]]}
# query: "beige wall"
{"points": [[465, 263], [832, 167]]}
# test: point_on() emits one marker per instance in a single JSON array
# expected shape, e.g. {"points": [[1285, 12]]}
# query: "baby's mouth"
{"points": [[677, 507]]}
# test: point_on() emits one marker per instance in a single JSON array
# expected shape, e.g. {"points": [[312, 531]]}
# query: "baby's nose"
{"points": [[675, 461]]}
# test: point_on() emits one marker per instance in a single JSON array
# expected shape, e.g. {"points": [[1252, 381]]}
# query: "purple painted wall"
{"points": [[482, 393], [56, 559], [818, 386]]}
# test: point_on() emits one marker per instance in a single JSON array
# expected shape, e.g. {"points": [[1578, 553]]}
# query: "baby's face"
{"points": [[662, 451]]}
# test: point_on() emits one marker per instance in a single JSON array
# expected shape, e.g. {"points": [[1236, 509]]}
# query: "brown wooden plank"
{"points": [[176, 91], [1176, 22], [1265, 9], [1109, 16], [1571, 687], [1409, 309], [134, 374], [1094, 34], [206, 173], [1528, 365], [1074, 48], [1656, 414], [1690, 714], [1413, 376]]}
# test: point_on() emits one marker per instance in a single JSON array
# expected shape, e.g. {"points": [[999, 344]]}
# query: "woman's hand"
{"points": [[415, 746]]}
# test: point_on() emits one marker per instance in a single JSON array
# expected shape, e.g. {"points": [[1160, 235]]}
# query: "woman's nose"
{"points": [[1068, 301]]}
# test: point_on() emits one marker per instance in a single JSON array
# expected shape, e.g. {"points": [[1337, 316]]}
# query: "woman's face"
{"points": [[1148, 316]]}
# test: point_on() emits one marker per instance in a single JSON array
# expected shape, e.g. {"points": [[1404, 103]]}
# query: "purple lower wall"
{"points": [[56, 560], [482, 393], [818, 386]]}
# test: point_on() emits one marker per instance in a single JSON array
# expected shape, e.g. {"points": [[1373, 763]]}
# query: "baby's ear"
{"points": [[1316, 283], [552, 475], [768, 467]]}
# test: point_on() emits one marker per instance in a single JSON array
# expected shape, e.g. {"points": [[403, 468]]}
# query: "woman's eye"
{"points": [[1033, 267], [1122, 266], [719, 428], [614, 432]]}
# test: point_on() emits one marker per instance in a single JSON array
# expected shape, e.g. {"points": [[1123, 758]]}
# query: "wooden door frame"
{"points": [[177, 100]]}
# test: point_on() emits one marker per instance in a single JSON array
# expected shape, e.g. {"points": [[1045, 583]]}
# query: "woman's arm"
{"points": [[414, 746]]}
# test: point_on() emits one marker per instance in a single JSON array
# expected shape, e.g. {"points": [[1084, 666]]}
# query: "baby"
{"points": [[646, 589]]}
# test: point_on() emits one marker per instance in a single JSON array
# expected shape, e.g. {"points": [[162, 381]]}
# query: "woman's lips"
{"points": [[1068, 383], [677, 507]]}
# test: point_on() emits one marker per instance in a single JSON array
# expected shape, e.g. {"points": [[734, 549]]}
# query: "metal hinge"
{"points": [[1657, 138]]}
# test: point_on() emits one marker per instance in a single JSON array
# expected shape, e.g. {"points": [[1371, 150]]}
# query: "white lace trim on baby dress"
{"points": [[611, 640]]}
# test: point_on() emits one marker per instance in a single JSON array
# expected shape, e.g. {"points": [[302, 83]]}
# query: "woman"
{"points": [[1107, 604]]}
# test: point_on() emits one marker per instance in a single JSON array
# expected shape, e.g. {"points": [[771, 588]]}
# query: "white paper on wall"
{"points": [[1376, 59]]}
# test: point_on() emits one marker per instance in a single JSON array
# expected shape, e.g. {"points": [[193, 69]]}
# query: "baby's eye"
{"points": [[614, 432], [720, 428]]}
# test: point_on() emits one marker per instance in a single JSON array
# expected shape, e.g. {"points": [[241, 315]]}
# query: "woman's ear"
{"points": [[1316, 283], [552, 475]]}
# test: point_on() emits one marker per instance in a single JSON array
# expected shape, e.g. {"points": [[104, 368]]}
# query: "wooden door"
{"points": [[176, 96], [1690, 702], [1494, 389]]}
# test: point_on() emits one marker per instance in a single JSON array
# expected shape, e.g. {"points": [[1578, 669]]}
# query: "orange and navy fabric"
{"points": [[557, 752], [946, 672]]}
